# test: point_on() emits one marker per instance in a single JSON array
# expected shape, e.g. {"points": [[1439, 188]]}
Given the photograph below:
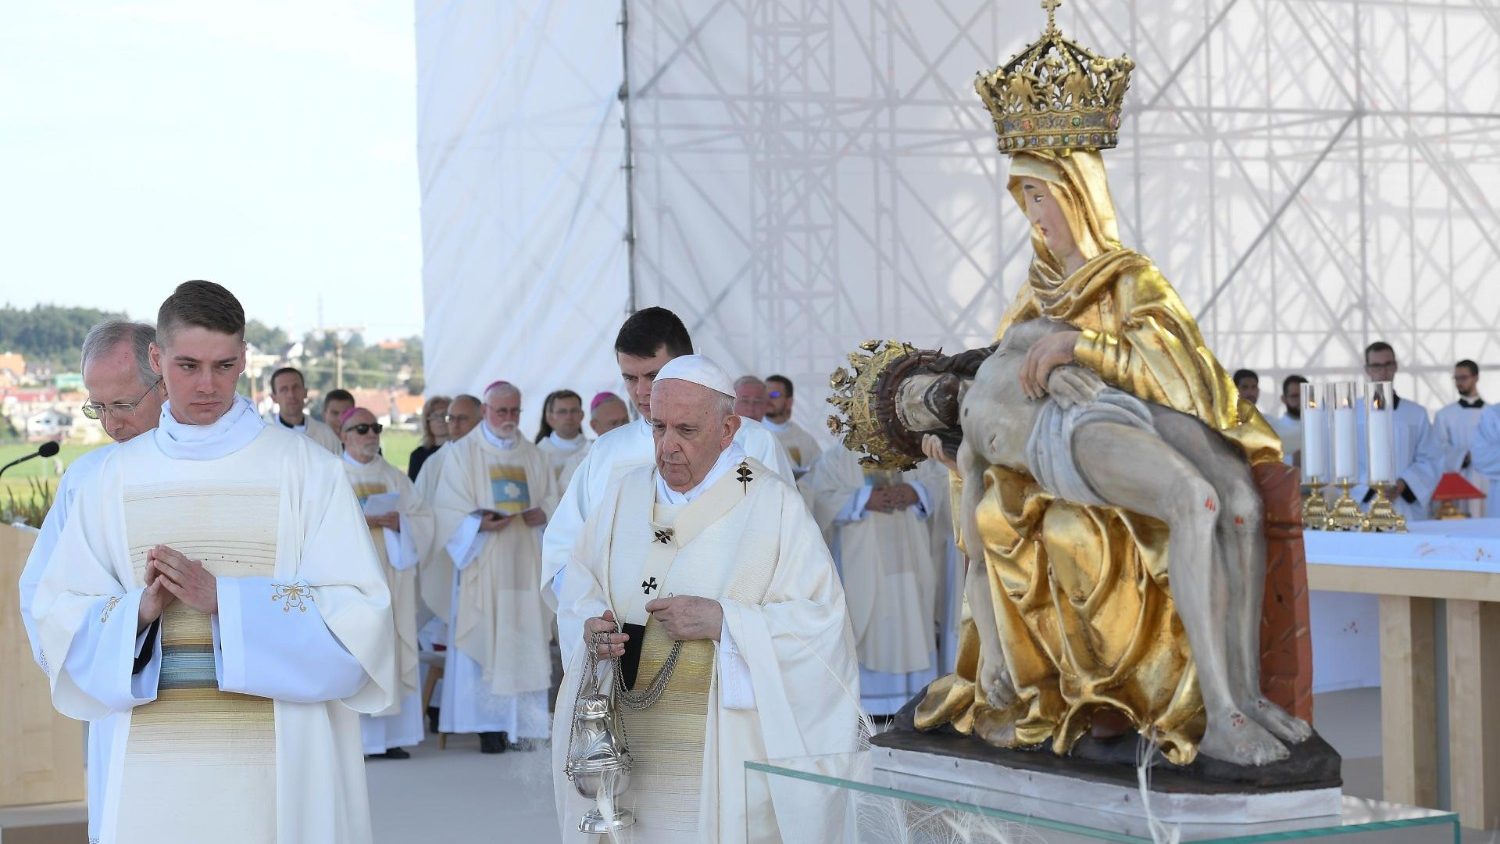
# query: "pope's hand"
{"points": [[186, 579], [688, 616], [1050, 352], [601, 634]]}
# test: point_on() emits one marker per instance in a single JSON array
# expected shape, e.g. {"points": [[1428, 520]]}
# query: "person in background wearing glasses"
{"points": [[434, 433], [800, 445], [125, 396], [1419, 454], [495, 492], [561, 435], [400, 525]]}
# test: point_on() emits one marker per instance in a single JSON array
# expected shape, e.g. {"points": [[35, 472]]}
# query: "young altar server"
{"points": [[710, 549], [877, 523], [216, 588], [401, 529], [494, 491]]}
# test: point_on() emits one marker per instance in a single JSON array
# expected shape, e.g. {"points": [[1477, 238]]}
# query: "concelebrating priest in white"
{"points": [[216, 587], [709, 548]]}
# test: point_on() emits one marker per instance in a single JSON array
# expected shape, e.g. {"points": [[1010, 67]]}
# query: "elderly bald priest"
{"points": [[709, 548]]}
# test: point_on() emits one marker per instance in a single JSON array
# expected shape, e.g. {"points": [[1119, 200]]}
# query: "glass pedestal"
{"points": [[853, 801]]}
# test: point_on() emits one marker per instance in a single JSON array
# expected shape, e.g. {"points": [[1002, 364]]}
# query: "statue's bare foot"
{"points": [[1282, 724], [995, 681], [1233, 737]]}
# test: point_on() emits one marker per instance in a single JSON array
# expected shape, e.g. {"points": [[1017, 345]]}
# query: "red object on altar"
{"points": [[1451, 488]]}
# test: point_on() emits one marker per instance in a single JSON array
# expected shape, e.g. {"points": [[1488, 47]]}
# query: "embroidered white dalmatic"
{"points": [[240, 727], [890, 574], [1455, 426], [1420, 458], [782, 681], [498, 667], [801, 447], [80, 475], [609, 458], [399, 552]]}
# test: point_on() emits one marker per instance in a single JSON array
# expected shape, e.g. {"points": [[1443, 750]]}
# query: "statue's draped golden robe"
{"points": [[1082, 596]]}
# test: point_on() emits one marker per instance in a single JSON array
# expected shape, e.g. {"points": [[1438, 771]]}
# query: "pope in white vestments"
{"points": [[494, 492], [401, 530], [711, 549], [877, 523]]}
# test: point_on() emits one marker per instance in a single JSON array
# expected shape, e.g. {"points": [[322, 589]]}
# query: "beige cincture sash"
{"points": [[667, 540]]}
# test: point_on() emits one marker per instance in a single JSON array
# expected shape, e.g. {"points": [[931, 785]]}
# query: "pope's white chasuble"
{"points": [[241, 726], [375, 485], [782, 681], [889, 571], [618, 452], [500, 629]]}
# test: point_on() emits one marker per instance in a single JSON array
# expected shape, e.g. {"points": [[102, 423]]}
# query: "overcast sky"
{"points": [[269, 146]]}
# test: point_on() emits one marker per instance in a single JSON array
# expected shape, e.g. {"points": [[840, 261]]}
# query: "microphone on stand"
{"points": [[47, 449]]}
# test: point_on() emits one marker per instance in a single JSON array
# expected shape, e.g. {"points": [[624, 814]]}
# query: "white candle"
{"points": [[1314, 440], [1345, 443], [1382, 434]]}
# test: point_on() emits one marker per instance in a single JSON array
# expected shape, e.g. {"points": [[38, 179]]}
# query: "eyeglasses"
{"points": [[95, 410], [506, 411], [773, 394], [456, 417], [365, 428]]}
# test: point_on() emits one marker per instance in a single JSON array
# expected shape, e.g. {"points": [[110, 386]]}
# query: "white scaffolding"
{"points": [[1310, 174]]}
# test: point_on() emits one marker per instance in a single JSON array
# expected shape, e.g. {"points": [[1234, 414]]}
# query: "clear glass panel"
{"points": [[872, 805]]}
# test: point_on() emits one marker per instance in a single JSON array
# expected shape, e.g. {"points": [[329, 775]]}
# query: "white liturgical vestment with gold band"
{"points": [[781, 680], [241, 726]]}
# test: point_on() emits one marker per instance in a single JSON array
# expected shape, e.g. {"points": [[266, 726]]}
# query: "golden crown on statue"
{"points": [[866, 397], [1056, 94]]}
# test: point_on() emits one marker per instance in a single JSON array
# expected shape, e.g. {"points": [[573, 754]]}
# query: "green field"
{"points": [[20, 483]]}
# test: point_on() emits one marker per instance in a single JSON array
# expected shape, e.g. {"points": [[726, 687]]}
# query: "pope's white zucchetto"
{"points": [[698, 370]]}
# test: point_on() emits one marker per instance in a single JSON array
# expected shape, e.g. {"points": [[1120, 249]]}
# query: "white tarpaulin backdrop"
{"points": [[1310, 174]]}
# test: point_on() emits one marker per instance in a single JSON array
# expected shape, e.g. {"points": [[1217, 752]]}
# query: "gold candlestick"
{"points": [[1314, 506], [1383, 517], [1346, 514]]}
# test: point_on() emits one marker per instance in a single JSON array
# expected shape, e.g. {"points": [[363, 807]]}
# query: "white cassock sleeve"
{"points": [[400, 547], [271, 641], [1484, 448], [1428, 459], [736, 688]]}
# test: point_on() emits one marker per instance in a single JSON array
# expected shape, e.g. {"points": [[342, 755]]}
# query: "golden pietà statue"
{"points": [[1080, 626]]}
